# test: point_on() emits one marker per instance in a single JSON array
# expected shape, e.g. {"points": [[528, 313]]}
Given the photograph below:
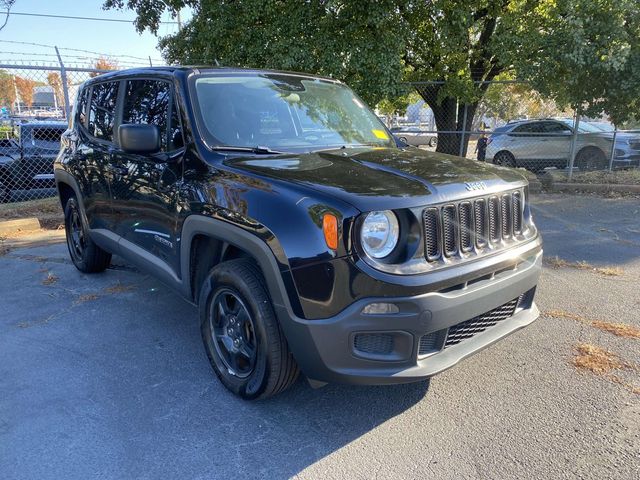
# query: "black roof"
{"points": [[170, 69]]}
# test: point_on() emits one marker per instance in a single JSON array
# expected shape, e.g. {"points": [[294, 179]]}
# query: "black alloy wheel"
{"points": [[242, 337], [85, 254], [233, 333]]}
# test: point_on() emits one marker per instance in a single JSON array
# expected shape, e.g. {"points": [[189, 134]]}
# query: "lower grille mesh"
{"points": [[374, 343], [468, 329]]}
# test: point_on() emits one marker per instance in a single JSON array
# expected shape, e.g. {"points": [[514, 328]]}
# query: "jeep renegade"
{"points": [[310, 240]]}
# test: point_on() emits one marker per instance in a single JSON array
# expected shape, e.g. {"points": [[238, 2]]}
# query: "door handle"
{"points": [[118, 170]]}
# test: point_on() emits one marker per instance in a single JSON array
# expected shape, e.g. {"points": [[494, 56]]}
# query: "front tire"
{"points": [[505, 159], [241, 334], [591, 158], [85, 254]]}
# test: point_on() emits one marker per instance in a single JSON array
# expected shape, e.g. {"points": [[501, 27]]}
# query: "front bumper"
{"points": [[326, 351]]}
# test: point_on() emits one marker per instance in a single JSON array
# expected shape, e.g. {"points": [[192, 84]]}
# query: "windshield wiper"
{"points": [[259, 150]]}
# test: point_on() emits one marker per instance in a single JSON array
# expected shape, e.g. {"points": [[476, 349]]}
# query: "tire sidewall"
{"points": [[505, 160], [255, 384], [72, 204], [591, 158]]}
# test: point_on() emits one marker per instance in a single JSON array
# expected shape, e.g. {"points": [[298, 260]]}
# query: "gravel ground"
{"points": [[104, 376]]}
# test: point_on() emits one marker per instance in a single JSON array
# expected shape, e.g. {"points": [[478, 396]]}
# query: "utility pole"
{"points": [[65, 87]]}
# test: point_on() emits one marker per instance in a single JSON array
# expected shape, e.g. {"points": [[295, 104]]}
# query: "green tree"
{"points": [[103, 63], [7, 90], [25, 88], [584, 54], [560, 46]]}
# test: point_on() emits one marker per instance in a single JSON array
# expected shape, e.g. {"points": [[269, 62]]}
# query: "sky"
{"points": [[113, 39]]}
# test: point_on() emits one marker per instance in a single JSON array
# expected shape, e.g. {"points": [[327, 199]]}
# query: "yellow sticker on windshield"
{"points": [[380, 134]]}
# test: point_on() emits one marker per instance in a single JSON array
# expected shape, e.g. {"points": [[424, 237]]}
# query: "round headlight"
{"points": [[379, 233]]}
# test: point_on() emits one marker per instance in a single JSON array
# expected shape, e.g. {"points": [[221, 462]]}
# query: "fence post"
{"points": [[65, 87], [613, 147], [464, 127], [574, 141]]}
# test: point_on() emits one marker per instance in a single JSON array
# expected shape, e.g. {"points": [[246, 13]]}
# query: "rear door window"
{"points": [[556, 127], [102, 110], [148, 102], [528, 130]]}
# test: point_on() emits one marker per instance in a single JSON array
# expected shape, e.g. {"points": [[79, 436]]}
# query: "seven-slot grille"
{"points": [[471, 225], [463, 331]]}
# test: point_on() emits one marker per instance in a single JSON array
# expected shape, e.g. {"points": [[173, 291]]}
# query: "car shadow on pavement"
{"points": [[107, 375]]}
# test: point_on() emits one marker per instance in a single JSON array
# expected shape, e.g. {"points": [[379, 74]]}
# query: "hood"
{"points": [[384, 178]]}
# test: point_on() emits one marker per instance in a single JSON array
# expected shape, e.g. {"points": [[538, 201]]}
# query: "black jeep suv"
{"points": [[281, 206]]}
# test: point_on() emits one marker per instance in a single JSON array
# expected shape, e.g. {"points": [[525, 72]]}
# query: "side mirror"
{"points": [[141, 139]]}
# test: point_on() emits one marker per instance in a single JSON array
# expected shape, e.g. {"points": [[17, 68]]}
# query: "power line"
{"points": [[96, 19], [80, 50]]}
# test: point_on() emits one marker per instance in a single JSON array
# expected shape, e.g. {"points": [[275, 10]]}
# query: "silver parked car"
{"points": [[627, 151], [537, 144], [414, 136]]}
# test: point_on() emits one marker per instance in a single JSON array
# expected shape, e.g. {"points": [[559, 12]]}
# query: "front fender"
{"points": [[259, 245]]}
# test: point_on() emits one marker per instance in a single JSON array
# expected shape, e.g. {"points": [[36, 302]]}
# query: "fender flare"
{"points": [[61, 176], [276, 277]]}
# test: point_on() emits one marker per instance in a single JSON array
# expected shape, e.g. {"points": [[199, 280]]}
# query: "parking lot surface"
{"points": [[105, 376]]}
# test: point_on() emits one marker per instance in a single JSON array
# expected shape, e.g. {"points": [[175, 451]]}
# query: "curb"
{"points": [[20, 225], [536, 187]]}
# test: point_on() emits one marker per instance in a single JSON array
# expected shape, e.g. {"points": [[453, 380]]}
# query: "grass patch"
{"points": [[48, 207], [557, 262], [603, 363], [48, 211], [4, 249], [119, 288], [618, 329], [88, 297], [617, 177], [50, 280], [597, 360]]}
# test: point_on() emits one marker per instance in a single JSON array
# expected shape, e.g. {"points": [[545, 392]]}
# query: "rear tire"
{"points": [[241, 334], [85, 254], [505, 159], [591, 158]]}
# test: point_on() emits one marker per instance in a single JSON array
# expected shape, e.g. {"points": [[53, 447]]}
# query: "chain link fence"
{"points": [[515, 126], [35, 104], [512, 126]]}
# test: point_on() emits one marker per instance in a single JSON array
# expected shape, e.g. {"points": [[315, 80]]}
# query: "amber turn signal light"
{"points": [[330, 229]]}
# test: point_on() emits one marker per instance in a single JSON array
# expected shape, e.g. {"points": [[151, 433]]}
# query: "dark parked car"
{"points": [[26, 161], [415, 136], [282, 207]]}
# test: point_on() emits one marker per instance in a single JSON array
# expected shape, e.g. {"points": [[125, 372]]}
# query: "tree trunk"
{"points": [[449, 115]]}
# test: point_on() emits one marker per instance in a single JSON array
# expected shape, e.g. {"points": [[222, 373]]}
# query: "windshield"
{"points": [[284, 112]]}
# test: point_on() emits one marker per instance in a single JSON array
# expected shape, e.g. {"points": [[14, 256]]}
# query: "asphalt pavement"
{"points": [[105, 376]]}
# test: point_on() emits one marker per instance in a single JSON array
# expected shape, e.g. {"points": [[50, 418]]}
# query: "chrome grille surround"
{"points": [[473, 227]]}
